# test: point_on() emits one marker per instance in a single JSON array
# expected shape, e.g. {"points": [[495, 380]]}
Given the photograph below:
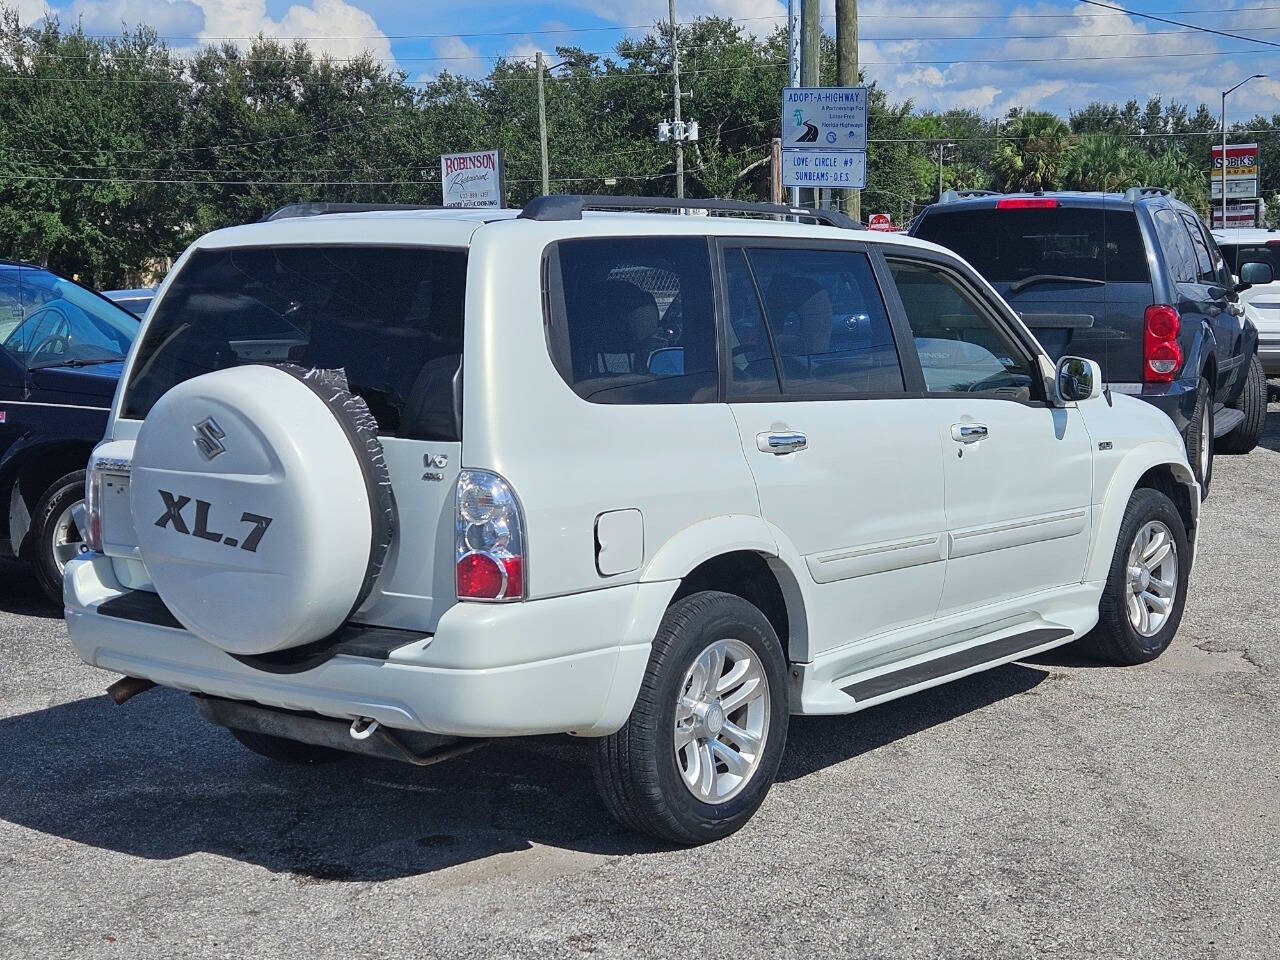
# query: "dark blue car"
{"points": [[63, 351]]}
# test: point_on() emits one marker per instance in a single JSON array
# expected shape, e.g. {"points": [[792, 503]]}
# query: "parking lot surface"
{"points": [[1051, 808]]}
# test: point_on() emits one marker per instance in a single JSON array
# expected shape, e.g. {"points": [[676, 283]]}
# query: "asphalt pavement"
{"points": [[1053, 808]]}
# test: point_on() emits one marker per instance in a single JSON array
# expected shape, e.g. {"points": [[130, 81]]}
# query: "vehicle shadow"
{"points": [[21, 594], [152, 780]]}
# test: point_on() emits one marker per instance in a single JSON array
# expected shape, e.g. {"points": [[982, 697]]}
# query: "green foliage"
{"points": [[115, 154]]}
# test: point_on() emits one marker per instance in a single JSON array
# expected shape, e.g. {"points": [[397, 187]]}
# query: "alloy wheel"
{"points": [[1152, 578]]}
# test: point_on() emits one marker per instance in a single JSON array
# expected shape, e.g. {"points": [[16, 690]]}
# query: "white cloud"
{"points": [[458, 57], [335, 27], [169, 18]]}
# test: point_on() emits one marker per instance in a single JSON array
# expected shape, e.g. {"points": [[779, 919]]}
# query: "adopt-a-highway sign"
{"points": [[846, 169], [824, 118]]}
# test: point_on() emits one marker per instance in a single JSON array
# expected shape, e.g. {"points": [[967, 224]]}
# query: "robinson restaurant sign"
{"points": [[472, 179]]}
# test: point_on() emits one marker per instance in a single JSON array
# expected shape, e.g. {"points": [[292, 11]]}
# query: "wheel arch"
{"points": [[1151, 466], [29, 469]]}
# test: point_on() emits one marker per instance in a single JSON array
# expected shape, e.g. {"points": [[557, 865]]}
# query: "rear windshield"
{"points": [[390, 317], [1010, 245]]}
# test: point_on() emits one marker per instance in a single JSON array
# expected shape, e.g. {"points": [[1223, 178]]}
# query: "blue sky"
{"points": [[988, 55]]}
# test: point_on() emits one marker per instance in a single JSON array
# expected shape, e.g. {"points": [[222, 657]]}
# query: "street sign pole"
{"points": [[793, 64]]}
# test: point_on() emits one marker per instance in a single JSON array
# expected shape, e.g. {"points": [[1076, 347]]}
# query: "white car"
{"points": [[1254, 257], [394, 482]]}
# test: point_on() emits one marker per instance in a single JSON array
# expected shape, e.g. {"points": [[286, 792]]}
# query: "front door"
{"points": [[1018, 472], [847, 465]]}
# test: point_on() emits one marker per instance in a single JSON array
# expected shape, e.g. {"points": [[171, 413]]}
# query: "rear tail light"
{"points": [[1026, 203], [92, 531], [1161, 354], [489, 545]]}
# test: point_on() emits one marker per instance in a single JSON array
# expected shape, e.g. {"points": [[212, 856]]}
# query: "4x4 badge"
{"points": [[209, 437]]}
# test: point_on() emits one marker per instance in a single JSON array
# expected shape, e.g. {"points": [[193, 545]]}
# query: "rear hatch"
{"points": [[392, 319], [1077, 274]]}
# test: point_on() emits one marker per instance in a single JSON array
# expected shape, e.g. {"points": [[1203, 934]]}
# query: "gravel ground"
{"points": [[1051, 808]]}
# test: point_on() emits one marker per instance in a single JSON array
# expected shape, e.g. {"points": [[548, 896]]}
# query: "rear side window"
{"points": [[1005, 246], [632, 320], [826, 323], [1177, 246], [390, 317]]}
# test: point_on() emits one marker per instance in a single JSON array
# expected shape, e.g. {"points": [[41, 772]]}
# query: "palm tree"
{"points": [[1035, 155]]}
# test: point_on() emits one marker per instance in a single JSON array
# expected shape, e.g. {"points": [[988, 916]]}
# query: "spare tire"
{"points": [[262, 505]]}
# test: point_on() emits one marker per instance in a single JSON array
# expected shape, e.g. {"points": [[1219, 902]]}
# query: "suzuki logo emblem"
{"points": [[209, 437]]}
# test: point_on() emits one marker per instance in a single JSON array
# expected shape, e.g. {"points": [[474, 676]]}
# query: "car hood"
{"points": [[93, 383]]}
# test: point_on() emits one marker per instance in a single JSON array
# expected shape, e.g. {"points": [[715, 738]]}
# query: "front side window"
{"points": [[961, 347], [1206, 268], [391, 317], [632, 320], [826, 321]]}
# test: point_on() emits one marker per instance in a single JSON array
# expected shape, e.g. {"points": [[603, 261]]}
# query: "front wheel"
{"points": [[1146, 587], [1253, 404], [702, 745], [56, 538]]}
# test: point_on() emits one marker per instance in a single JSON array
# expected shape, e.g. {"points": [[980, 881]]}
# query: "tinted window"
{"points": [[1237, 255], [633, 321], [1009, 245], [960, 346], [752, 370], [826, 321], [390, 317], [1176, 243], [1206, 269], [47, 321]]}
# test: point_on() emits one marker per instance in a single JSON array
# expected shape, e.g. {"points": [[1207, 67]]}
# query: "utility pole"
{"points": [[675, 74], [941, 146], [847, 76], [810, 46], [793, 63], [542, 123]]}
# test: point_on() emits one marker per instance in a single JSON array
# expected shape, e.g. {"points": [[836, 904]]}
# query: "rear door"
{"points": [[1077, 274], [1018, 473], [846, 462]]}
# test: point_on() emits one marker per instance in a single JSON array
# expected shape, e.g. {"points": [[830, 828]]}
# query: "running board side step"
{"points": [[1226, 419], [362, 736], [953, 663]]}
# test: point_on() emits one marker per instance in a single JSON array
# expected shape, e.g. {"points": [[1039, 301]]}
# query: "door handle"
{"points": [[969, 432], [780, 443]]}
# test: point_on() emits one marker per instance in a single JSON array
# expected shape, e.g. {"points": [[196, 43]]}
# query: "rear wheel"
{"points": [[704, 740], [1146, 587], [1253, 404], [283, 750], [56, 538], [1199, 438]]}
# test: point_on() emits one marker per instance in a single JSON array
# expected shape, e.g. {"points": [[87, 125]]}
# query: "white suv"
{"points": [[1254, 257], [393, 482]]}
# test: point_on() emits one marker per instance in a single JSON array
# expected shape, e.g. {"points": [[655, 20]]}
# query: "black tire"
{"points": [[283, 750], [1114, 638], [1253, 404], [636, 769], [1199, 430], [63, 493]]}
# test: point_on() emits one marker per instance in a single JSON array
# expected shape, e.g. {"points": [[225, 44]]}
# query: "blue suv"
{"points": [[1133, 281]]}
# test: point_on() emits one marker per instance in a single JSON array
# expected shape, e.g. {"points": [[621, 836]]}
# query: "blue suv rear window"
{"points": [[1010, 245]]}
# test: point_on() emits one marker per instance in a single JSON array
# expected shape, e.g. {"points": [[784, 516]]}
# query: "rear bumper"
{"points": [[1176, 399], [562, 665], [1269, 352]]}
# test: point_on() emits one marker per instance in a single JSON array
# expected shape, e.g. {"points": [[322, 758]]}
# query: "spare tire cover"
{"points": [[252, 500]]}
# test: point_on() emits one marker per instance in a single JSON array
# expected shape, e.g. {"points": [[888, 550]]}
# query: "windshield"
{"points": [[1006, 246], [390, 317], [47, 321]]}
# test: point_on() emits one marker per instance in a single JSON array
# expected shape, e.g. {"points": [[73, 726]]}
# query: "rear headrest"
{"points": [[623, 315], [809, 302]]}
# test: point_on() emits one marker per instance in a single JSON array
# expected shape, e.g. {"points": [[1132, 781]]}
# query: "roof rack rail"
{"points": [[570, 207], [951, 196], [319, 209], [1137, 193]]}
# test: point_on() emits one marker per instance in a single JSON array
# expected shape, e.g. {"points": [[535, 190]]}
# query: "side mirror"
{"points": [[1222, 294], [667, 362], [1253, 274], [1078, 379]]}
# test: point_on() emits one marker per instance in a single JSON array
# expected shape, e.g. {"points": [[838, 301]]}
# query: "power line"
{"points": [[1179, 23]]}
